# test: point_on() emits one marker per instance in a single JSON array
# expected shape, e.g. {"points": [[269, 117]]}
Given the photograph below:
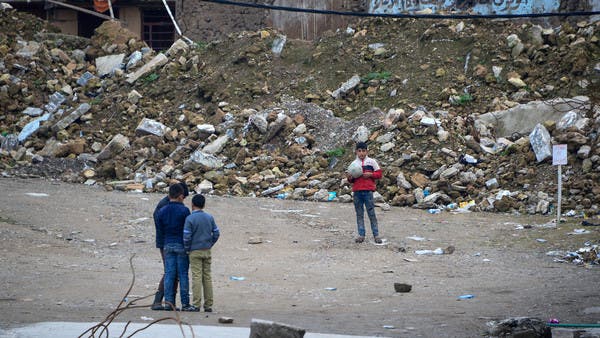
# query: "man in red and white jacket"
{"points": [[362, 188]]}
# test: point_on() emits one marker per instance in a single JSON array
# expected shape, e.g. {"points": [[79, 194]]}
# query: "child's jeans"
{"points": [[365, 198], [177, 264]]}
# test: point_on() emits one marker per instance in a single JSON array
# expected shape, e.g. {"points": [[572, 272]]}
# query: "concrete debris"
{"points": [[520, 327], [267, 329], [230, 119]]}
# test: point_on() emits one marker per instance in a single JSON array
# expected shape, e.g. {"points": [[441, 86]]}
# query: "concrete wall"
{"points": [[132, 19], [201, 21], [480, 6], [204, 21], [65, 19], [308, 26]]}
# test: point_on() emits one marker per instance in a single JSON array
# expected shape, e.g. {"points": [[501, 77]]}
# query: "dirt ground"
{"points": [[65, 257]]}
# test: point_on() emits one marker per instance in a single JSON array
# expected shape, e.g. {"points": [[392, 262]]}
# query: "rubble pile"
{"points": [[460, 114]]}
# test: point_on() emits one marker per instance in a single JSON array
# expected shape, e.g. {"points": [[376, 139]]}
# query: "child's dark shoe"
{"points": [[190, 308]]}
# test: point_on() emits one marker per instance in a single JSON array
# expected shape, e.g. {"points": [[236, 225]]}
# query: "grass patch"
{"points": [[150, 78], [200, 46], [95, 101], [376, 76], [337, 152], [462, 100]]}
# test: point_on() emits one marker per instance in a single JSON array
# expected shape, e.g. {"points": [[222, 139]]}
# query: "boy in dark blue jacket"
{"points": [[200, 233], [160, 243], [171, 219]]}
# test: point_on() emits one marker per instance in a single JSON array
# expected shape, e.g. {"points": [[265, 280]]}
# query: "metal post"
{"points": [[559, 194], [112, 14], [175, 22]]}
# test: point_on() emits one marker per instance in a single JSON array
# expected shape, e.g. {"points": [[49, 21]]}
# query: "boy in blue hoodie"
{"points": [[200, 233]]}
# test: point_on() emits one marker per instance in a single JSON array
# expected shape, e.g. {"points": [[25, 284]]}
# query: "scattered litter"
{"points": [[294, 211], [487, 260], [551, 224], [555, 253], [138, 220], [36, 194], [389, 327], [237, 278], [146, 318], [438, 251], [466, 205], [553, 321], [541, 240], [332, 195], [383, 242], [465, 297], [477, 254], [330, 289], [402, 287], [255, 240], [579, 232], [587, 223], [225, 320], [588, 254], [434, 211], [570, 213], [416, 238], [412, 260]]}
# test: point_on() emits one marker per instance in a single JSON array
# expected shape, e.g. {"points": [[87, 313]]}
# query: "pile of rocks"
{"points": [[111, 111]]}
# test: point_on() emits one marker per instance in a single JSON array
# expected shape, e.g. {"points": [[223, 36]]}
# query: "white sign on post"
{"points": [[559, 157], [559, 154]]}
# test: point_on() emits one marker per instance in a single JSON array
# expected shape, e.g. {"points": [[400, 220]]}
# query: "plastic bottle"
{"points": [[466, 297], [434, 211]]}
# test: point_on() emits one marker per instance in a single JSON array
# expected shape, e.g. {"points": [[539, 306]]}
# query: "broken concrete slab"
{"points": [[156, 62], [522, 118], [72, 117], [116, 145], [150, 127], [106, 65], [267, 329], [32, 127]]}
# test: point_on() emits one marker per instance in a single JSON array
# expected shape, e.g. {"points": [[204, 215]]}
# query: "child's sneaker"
{"points": [[157, 307], [168, 307], [378, 240], [190, 308], [359, 239]]}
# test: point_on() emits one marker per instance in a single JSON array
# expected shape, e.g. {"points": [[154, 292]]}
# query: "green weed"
{"points": [[376, 76], [200, 45], [95, 100], [337, 152], [463, 99], [150, 78]]}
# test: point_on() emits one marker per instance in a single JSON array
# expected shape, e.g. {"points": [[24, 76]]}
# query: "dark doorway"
{"points": [[87, 23], [159, 31]]}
